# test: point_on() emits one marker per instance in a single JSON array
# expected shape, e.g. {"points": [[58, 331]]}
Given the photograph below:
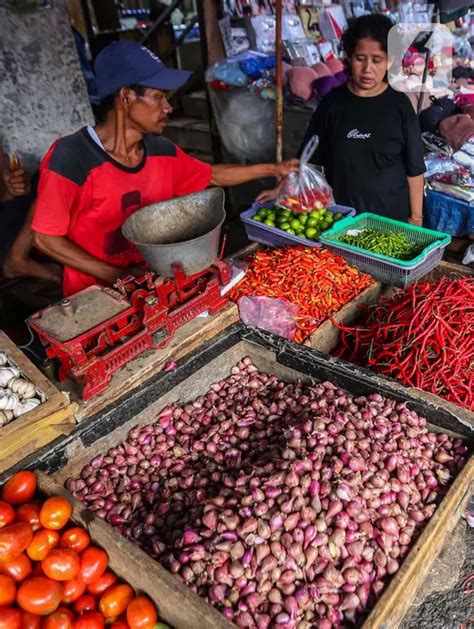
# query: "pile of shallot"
{"points": [[285, 505]]}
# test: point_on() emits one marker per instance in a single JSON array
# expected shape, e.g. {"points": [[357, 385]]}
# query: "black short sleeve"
{"points": [[317, 126], [413, 144]]}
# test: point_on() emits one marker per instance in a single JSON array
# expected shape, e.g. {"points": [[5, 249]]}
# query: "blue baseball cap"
{"points": [[125, 63]]}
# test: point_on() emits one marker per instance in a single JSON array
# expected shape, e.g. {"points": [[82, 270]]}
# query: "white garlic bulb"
{"points": [[9, 401], [23, 407], [23, 388], [5, 417], [6, 374], [3, 359]]}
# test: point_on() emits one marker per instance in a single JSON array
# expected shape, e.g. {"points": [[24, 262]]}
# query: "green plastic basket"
{"points": [[384, 268]]}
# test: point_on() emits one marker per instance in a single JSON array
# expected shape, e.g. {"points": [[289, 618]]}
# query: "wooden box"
{"points": [[51, 419], [193, 376]]}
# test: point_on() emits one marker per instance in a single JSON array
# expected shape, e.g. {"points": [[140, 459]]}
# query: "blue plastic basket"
{"points": [[385, 269], [274, 237]]}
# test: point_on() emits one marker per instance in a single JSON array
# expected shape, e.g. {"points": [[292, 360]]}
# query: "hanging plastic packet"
{"points": [[306, 190]]}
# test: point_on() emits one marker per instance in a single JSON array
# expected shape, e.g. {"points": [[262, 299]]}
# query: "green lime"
{"points": [[303, 219], [271, 216], [269, 222], [284, 226], [311, 233], [257, 218], [295, 224], [312, 222], [300, 233], [291, 231], [282, 219], [263, 212], [284, 212], [314, 214], [337, 216]]}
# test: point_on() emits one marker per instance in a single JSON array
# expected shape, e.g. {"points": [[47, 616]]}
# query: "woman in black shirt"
{"points": [[370, 140]]}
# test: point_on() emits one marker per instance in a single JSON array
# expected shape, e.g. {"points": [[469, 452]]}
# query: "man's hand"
{"points": [[287, 167], [415, 220], [17, 182]]}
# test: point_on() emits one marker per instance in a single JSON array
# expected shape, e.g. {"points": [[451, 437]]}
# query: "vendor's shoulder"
{"points": [[73, 156], [159, 146]]}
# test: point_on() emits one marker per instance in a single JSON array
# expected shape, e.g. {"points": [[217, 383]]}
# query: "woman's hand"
{"points": [[268, 195]]}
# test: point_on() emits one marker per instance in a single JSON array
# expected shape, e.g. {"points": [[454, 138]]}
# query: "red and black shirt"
{"points": [[86, 195]]}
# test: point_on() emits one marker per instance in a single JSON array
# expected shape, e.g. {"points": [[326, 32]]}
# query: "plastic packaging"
{"points": [[272, 315], [306, 190], [469, 259], [228, 72]]}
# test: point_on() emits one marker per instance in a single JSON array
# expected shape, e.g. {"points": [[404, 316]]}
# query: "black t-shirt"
{"points": [[368, 147]]}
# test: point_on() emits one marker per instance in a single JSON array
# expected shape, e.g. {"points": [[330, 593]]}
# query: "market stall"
{"points": [[280, 439]]}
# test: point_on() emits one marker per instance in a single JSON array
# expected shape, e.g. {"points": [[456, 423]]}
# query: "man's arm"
{"points": [[68, 253], [415, 190], [232, 175]]}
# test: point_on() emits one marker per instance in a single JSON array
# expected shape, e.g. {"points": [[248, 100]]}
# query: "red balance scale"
{"points": [[99, 330]]}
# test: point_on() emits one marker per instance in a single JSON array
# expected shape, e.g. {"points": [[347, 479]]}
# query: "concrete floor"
{"points": [[442, 603]]}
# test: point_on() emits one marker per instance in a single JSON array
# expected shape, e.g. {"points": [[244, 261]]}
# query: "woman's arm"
{"points": [[415, 190]]}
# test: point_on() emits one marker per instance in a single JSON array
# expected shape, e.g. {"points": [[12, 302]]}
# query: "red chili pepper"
{"points": [[319, 282], [427, 331]]}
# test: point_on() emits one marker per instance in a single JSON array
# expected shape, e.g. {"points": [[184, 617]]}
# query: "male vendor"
{"points": [[92, 180]]}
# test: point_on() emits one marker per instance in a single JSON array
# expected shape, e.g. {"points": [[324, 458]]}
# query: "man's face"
{"points": [[150, 111]]}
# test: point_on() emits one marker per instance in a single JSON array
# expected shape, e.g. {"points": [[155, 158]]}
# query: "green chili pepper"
{"points": [[392, 244]]}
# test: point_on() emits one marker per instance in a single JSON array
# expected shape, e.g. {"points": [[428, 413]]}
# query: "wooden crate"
{"points": [[194, 376], [45, 423], [326, 336]]}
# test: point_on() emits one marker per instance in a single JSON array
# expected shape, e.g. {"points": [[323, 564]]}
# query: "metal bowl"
{"points": [[185, 230]]}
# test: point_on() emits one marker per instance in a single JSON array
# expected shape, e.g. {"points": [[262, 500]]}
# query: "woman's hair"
{"points": [[374, 27]]}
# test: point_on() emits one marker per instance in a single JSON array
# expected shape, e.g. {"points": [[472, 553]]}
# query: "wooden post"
{"points": [[279, 82]]}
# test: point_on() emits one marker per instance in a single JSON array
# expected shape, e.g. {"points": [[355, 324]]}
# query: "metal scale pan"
{"points": [[185, 230]]}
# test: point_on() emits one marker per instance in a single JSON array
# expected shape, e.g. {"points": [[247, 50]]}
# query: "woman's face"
{"points": [[368, 64]]}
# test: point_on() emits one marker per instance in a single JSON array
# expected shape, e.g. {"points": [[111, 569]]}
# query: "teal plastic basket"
{"points": [[384, 268]]}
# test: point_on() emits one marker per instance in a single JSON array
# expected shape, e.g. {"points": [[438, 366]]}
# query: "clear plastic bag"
{"points": [[306, 190], [272, 315]]}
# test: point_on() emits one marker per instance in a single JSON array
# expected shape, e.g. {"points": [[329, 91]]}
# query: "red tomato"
{"points": [[39, 596], [61, 564], [29, 513], [72, 590], [55, 513], [86, 603], [76, 538], [93, 564], [20, 488], [18, 569], [119, 624], [14, 538], [106, 580], [30, 621], [141, 613], [7, 514], [115, 600], [89, 620], [62, 618], [7, 590], [10, 618], [43, 541]]}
